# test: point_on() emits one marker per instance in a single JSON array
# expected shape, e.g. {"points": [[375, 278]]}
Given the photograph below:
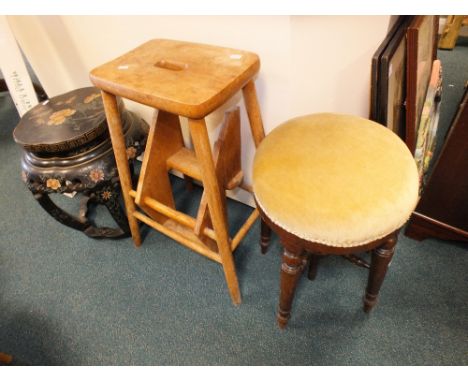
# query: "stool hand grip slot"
{"points": [[171, 65]]}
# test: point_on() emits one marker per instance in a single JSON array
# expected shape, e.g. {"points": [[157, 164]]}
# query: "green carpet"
{"points": [[66, 299]]}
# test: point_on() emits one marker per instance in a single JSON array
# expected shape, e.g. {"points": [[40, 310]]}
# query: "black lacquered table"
{"points": [[67, 150]]}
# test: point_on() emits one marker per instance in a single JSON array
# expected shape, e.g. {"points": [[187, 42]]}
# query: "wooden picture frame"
{"points": [[392, 91], [376, 74], [421, 52]]}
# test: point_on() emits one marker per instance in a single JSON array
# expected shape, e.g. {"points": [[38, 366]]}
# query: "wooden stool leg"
{"points": [[118, 144], [265, 236], [381, 258], [216, 204], [253, 112], [293, 262], [449, 36], [313, 265]]}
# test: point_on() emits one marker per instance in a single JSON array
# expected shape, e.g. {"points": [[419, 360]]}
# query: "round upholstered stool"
{"points": [[333, 184]]}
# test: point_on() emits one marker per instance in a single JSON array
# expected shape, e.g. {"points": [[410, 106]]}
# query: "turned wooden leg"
{"points": [[265, 236], [216, 204], [381, 258], [118, 145], [313, 264], [293, 262]]}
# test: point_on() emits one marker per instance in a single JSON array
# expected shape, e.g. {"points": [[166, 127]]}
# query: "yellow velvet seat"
{"points": [[334, 179]]}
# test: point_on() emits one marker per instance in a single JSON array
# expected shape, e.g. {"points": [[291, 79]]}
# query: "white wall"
{"points": [[309, 63]]}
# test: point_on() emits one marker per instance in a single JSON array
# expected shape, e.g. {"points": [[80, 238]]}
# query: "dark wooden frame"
{"points": [[297, 252], [406, 30], [388, 67], [377, 75]]}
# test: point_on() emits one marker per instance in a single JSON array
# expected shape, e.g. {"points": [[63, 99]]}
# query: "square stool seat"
{"points": [[182, 78]]}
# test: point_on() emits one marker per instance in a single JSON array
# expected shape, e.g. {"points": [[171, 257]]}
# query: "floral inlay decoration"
{"points": [[91, 97], [96, 175], [106, 195], [53, 184], [60, 116], [70, 100]]}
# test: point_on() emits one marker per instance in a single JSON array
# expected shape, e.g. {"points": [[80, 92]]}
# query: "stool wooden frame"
{"points": [[165, 150], [297, 252]]}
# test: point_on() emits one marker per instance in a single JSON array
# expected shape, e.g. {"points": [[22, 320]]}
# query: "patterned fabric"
{"points": [[429, 122]]}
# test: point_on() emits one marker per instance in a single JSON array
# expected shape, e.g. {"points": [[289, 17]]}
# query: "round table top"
{"points": [[63, 122], [335, 179]]}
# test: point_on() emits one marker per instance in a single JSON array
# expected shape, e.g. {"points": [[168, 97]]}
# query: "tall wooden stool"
{"points": [[189, 80], [333, 184]]}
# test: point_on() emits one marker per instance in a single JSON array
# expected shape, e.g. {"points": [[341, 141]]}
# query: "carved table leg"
{"points": [[109, 195], [113, 206], [60, 215], [381, 258], [313, 264], [265, 236], [291, 269]]}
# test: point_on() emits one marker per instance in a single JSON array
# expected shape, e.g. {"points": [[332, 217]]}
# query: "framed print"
{"points": [[427, 128], [421, 52]]}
